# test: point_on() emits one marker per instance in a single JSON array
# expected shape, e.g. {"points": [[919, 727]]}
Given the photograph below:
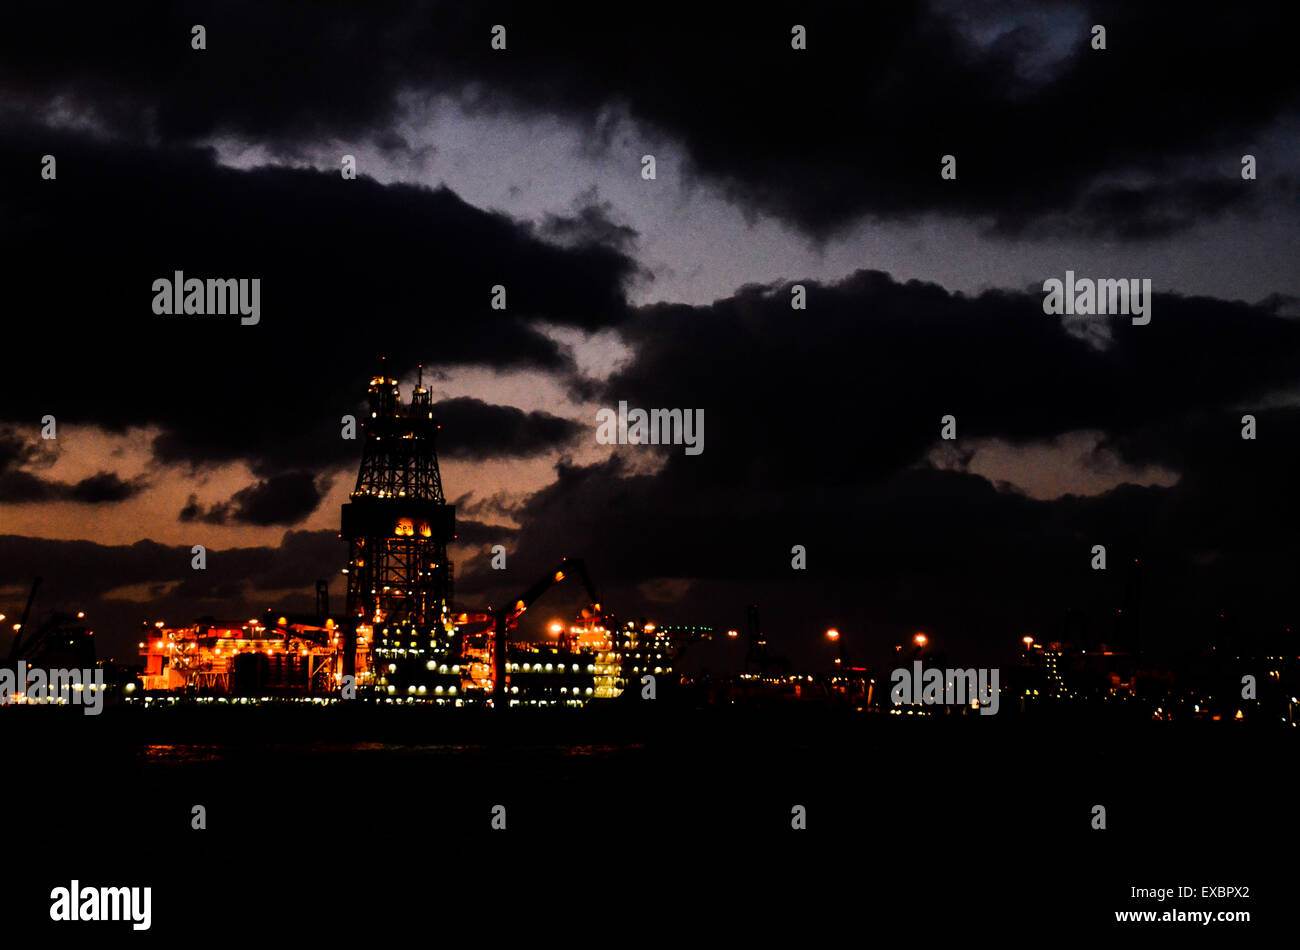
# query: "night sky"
{"points": [[775, 166]]}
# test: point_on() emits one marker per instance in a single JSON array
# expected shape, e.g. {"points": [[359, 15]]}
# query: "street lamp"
{"points": [[841, 662], [920, 639], [833, 636]]}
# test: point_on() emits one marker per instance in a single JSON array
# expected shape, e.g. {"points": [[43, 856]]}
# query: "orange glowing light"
{"points": [[559, 576], [832, 634], [920, 639], [557, 628], [1027, 641], [733, 633]]}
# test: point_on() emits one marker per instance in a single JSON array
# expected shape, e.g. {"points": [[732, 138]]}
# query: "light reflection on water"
{"points": [[182, 753]]}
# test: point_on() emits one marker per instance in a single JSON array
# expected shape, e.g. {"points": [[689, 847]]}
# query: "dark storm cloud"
{"points": [[852, 126], [592, 222], [235, 585], [873, 364], [820, 438], [17, 485], [349, 271], [282, 499], [480, 535], [193, 511], [1149, 212], [14, 449], [105, 487], [472, 428], [24, 486], [1236, 495]]}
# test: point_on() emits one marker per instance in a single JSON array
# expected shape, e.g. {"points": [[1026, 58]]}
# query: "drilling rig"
{"points": [[399, 631]]}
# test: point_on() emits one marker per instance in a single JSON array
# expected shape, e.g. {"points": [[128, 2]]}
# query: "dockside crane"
{"points": [[22, 624], [505, 616]]}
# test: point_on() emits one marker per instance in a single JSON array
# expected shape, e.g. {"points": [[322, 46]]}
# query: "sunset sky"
{"points": [[774, 166]]}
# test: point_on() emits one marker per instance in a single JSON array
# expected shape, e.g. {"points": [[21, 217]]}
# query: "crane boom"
{"points": [[22, 624], [504, 616]]}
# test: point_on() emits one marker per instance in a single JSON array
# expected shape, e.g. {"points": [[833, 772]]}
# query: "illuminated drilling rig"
{"points": [[399, 637], [400, 634]]}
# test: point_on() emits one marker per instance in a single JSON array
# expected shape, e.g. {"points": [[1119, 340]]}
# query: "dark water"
{"points": [[320, 825]]}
